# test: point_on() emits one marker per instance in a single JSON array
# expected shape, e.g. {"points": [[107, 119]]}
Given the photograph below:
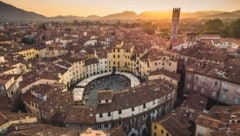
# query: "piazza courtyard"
{"points": [[114, 83]]}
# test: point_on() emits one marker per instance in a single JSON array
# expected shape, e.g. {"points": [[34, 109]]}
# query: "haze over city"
{"points": [[105, 7]]}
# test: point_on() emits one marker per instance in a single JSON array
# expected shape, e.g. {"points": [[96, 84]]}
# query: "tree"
{"points": [[76, 23], [149, 28], [225, 32], [214, 26], [43, 26], [235, 29]]}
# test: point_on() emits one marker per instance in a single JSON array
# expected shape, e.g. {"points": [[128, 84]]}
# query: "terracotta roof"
{"points": [[173, 125], [232, 130], [229, 70], [79, 114], [202, 51], [209, 122], [177, 42], [91, 61], [41, 129], [5, 103], [226, 113], [104, 95], [131, 97], [173, 75], [6, 116], [117, 131]]}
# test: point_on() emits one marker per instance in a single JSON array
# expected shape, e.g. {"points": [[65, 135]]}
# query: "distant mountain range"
{"points": [[9, 13]]}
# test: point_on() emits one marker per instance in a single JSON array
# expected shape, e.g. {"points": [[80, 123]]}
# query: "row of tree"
{"points": [[225, 29], [213, 26]]}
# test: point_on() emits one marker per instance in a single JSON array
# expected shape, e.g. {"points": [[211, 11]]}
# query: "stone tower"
{"points": [[175, 23]]}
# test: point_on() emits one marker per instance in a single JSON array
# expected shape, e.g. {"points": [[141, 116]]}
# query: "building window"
{"points": [[109, 114], [238, 91], [134, 119], [162, 132], [100, 115], [120, 112], [106, 125], [106, 100], [133, 108], [144, 117], [118, 56], [194, 87], [131, 120], [236, 100], [225, 87], [155, 134], [155, 63], [167, 134], [214, 94], [202, 90], [200, 131], [120, 123], [155, 126], [223, 97], [113, 56], [188, 86], [118, 50], [144, 105]]}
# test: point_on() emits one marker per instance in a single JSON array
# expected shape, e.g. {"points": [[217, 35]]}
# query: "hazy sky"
{"points": [[104, 7]]}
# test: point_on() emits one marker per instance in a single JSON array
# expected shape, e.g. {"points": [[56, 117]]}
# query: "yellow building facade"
{"points": [[29, 53], [158, 130]]}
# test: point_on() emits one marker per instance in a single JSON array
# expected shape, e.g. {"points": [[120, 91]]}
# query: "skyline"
{"points": [[105, 7]]}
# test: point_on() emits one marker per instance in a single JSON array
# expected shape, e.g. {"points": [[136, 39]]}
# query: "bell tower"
{"points": [[175, 23]]}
